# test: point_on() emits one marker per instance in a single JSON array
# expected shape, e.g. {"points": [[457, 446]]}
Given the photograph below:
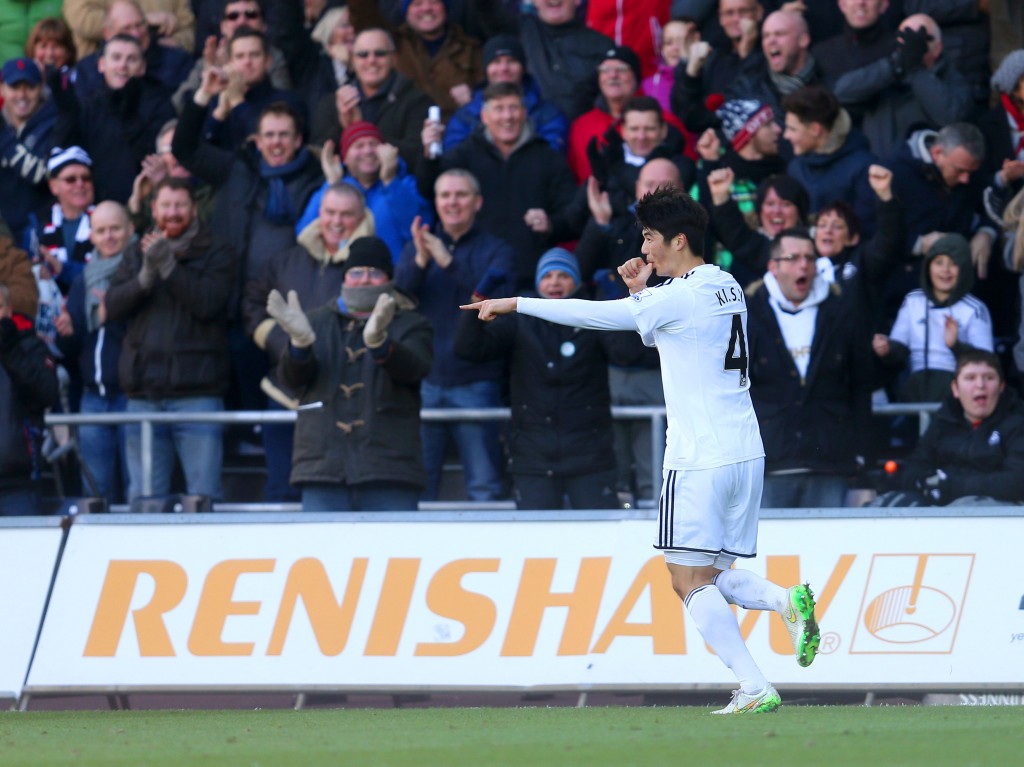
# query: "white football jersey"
{"points": [[698, 322]]}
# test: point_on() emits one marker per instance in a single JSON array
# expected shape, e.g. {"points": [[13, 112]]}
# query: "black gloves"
{"points": [[603, 152], [911, 47]]}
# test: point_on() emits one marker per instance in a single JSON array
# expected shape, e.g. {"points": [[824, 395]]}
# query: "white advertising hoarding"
{"points": [[516, 605], [28, 556]]}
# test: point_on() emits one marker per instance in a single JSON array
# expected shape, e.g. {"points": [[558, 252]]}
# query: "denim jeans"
{"points": [[101, 448], [365, 496], [199, 447], [19, 502], [277, 447], [477, 441]]}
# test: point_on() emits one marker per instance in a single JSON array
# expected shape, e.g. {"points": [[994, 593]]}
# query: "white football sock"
{"points": [[751, 592], [718, 626]]}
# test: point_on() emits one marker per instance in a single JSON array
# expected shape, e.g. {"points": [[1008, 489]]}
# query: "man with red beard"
{"points": [[174, 299]]}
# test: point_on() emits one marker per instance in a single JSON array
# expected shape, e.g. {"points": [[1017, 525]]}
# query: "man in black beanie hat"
{"points": [[359, 361], [505, 62]]}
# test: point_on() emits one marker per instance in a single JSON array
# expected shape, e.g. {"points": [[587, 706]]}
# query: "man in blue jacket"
{"points": [[443, 269], [26, 135], [505, 61]]}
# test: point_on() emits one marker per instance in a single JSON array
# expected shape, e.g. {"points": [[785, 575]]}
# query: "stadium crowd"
{"points": [[272, 204]]}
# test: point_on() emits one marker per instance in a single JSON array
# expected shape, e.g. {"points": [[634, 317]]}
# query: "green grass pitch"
{"points": [[473, 737]]}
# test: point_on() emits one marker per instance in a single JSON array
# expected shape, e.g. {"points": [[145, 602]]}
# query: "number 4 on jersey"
{"points": [[736, 356]]}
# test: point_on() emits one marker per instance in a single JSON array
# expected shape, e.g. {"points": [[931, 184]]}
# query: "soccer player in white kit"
{"points": [[714, 459]]}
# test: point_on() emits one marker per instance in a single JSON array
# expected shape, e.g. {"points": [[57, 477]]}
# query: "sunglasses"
{"points": [[236, 15], [376, 53], [85, 179]]}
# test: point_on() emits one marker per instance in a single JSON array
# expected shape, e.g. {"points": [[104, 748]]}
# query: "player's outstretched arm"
{"points": [[635, 274], [492, 307]]}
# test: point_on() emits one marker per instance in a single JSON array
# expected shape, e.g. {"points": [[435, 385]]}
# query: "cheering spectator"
{"points": [[314, 269], [173, 295], [117, 122], [915, 87], [810, 375], [379, 95], [505, 62], [235, 111], [87, 339], [375, 169], [937, 323], [359, 362], [442, 269], [973, 449], [560, 443], [165, 67], [708, 69], [563, 54], [236, 14], [63, 229], [435, 54], [28, 386], [527, 186], [865, 38], [51, 45], [677, 38], [26, 136], [831, 158]]}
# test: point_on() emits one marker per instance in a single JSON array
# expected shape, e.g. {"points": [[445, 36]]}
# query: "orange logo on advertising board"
{"points": [[912, 603]]}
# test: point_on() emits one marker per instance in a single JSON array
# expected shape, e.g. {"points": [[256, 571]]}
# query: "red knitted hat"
{"points": [[357, 130]]}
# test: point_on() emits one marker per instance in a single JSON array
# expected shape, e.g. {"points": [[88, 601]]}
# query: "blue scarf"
{"points": [[279, 208]]}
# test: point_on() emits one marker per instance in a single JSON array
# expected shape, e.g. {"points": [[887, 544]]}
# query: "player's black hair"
{"points": [[669, 212]]}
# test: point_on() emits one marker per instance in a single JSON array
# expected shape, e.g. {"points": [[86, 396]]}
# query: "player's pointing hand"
{"points": [[492, 307]]}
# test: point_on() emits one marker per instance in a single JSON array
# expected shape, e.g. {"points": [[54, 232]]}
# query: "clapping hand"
{"points": [[289, 315]]}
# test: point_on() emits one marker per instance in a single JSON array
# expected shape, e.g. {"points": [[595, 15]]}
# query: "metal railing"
{"points": [[147, 420]]}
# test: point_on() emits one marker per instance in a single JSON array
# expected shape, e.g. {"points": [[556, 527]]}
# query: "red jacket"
{"points": [[638, 26]]}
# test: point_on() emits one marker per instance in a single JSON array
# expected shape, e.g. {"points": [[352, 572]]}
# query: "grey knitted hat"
{"points": [[1009, 73]]}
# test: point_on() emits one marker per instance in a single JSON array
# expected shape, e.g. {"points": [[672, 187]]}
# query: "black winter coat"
{"points": [[177, 339], [117, 128], [368, 429], [821, 423], [28, 385], [987, 459], [242, 194], [561, 407], [399, 111]]}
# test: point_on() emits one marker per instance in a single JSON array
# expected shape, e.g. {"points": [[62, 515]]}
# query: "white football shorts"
{"points": [[709, 516]]}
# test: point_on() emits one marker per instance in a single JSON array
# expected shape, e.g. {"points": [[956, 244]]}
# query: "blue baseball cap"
{"points": [[21, 71]]}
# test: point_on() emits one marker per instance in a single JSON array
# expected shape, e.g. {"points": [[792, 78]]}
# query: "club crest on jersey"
{"points": [[638, 297]]}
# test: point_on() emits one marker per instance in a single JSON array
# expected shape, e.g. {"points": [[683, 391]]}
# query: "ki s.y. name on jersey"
{"points": [[729, 295]]}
